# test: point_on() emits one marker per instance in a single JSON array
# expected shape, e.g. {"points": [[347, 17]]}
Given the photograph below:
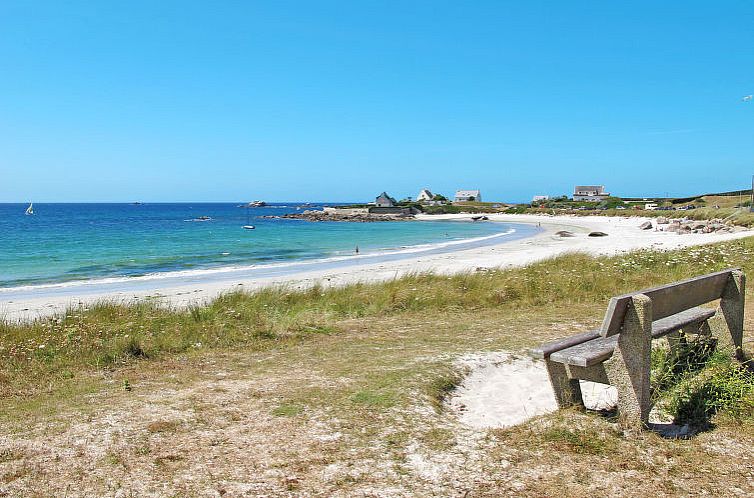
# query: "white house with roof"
{"points": [[590, 193], [424, 195], [468, 195]]}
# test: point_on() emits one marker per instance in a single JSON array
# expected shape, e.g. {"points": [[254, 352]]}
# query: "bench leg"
{"points": [[729, 320], [567, 390], [628, 369], [732, 307]]}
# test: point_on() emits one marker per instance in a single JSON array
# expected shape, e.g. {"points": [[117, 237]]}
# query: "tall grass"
{"points": [[107, 335], [695, 382]]}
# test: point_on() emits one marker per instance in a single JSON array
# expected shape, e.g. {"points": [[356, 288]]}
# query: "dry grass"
{"points": [[334, 393]]}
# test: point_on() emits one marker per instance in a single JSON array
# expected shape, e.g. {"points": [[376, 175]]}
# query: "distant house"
{"points": [[540, 198], [424, 196], [384, 200], [590, 193], [468, 195]]}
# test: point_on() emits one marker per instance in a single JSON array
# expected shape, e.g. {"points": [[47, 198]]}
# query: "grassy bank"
{"points": [[736, 216], [338, 392], [107, 335]]}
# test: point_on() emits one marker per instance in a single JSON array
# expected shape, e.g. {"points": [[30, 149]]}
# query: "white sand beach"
{"points": [[623, 235]]}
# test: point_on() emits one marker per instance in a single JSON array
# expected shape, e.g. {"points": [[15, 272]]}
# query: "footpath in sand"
{"points": [[623, 234]]}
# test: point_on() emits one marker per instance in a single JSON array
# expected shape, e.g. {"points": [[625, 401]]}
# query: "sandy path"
{"points": [[623, 235]]}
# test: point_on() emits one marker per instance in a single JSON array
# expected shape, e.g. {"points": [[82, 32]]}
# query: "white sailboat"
{"points": [[30, 209], [248, 226]]}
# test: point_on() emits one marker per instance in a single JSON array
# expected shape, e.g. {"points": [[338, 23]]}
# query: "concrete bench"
{"points": [[618, 353]]}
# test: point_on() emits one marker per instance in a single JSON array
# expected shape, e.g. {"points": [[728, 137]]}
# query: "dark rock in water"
{"points": [[597, 234], [647, 225], [311, 215], [564, 233]]}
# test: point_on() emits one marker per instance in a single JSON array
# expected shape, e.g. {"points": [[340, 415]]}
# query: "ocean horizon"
{"points": [[80, 242]]}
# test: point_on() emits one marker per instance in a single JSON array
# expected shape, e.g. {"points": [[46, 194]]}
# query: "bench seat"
{"points": [[590, 348], [630, 323]]}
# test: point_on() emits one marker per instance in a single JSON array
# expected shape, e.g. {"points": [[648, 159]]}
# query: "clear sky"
{"points": [[340, 100]]}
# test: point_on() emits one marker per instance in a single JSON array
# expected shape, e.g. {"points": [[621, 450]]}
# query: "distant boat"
{"points": [[248, 226], [256, 204], [30, 209]]}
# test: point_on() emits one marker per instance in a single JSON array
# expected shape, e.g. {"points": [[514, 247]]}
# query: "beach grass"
{"points": [[340, 391], [107, 335]]}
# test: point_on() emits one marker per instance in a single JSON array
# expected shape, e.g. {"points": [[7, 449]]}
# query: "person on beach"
{"points": [[357, 249]]}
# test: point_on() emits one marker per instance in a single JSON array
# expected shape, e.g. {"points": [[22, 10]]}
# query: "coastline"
{"points": [[181, 290]]}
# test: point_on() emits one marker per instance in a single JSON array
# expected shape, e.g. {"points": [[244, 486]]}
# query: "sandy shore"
{"points": [[623, 235]]}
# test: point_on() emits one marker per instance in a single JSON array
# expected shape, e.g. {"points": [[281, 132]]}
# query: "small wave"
{"points": [[290, 259]]}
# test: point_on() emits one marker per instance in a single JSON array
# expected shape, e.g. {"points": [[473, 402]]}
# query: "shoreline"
{"points": [[19, 304]]}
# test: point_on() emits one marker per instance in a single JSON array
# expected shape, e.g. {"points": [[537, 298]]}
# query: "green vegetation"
{"points": [[696, 381], [109, 336], [466, 207], [442, 385], [728, 206], [288, 410], [340, 390], [579, 442]]}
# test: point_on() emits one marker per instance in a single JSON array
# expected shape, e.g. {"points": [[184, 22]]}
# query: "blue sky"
{"points": [[229, 101]]}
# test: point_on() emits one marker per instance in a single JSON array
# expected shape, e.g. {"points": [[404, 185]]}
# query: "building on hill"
{"points": [[384, 200], [540, 198], [424, 196], [468, 196], [590, 193]]}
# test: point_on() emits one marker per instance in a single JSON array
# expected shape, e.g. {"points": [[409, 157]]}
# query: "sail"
{"points": [[30, 209]]}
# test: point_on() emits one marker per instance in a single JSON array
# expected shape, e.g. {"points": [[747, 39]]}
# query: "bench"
{"points": [[618, 353]]}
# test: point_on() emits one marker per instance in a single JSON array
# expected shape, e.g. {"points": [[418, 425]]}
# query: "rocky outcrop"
{"points": [[647, 225], [694, 226], [312, 215]]}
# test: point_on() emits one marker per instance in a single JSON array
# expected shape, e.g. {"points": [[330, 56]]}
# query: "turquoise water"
{"points": [[75, 242]]}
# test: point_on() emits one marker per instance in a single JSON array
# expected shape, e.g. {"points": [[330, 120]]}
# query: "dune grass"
{"points": [[339, 392], [107, 336]]}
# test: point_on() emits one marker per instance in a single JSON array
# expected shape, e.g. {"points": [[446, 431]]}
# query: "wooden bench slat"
{"points": [[545, 350], [591, 352], [668, 299]]}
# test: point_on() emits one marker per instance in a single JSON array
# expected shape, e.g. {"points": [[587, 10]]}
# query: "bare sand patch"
{"points": [[504, 389]]}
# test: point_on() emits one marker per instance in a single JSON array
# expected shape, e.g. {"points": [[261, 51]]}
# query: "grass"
{"points": [[736, 216], [579, 442], [442, 385], [695, 381], [107, 337], [288, 410], [340, 391]]}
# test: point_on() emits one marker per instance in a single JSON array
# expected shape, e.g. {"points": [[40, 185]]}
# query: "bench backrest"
{"points": [[668, 299]]}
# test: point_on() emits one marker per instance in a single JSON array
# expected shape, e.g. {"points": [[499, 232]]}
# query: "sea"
{"points": [[63, 243]]}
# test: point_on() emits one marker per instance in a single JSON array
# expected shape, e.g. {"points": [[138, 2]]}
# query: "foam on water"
{"points": [[71, 245]]}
